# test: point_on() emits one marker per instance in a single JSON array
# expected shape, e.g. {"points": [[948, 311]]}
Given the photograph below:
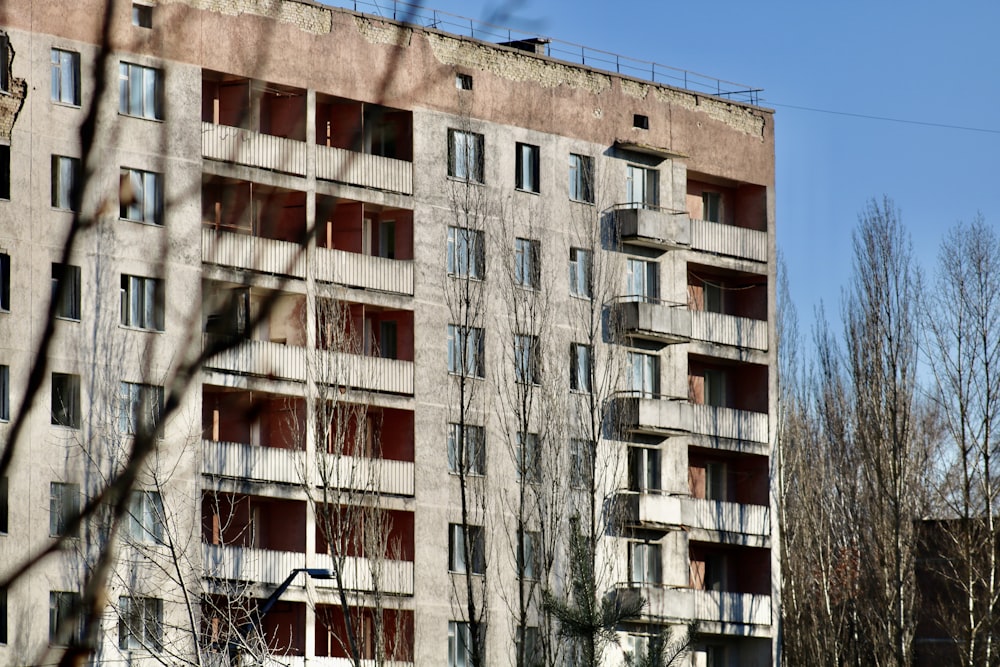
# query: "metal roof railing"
{"points": [[406, 12]]}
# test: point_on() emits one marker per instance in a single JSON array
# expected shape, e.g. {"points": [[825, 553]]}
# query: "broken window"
{"points": [[66, 400]]}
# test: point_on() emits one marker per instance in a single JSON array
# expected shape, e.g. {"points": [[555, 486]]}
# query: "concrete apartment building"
{"points": [[468, 304]]}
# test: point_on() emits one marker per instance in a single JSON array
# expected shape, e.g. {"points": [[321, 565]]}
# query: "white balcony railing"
{"points": [[743, 608], [729, 330], [252, 253], [651, 508], [364, 474], [655, 320], [289, 362], [726, 517], [242, 461], [255, 149], [729, 240], [727, 423], [370, 171], [394, 577], [364, 271]]}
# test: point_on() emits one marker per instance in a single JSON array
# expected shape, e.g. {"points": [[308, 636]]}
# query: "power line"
{"points": [[905, 121]]}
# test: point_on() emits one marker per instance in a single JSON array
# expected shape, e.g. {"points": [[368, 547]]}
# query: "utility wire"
{"points": [[887, 119]]}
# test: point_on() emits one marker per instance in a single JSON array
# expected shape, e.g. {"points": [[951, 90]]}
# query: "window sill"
{"points": [[455, 374], [67, 319], [582, 201], [537, 193], [143, 222], [129, 115], [64, 427], [581, 297], [65, 105], [469, 473], [63, 209], [140, 329], [466, 181]]}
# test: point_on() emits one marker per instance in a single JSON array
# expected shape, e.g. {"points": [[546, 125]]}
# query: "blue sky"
{"points": [[910, 61]]}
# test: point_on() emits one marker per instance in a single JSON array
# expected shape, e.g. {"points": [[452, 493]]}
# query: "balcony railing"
{"points": [[242, 461], [289, 362], [254, 149], [729, 330], [364, 271], [726, 517], [301, 661], [729, 240], [369, 171], [652, 226], [650, 509], [666, 415], [271, 567], [253, 253], [672, 602], [363, 474], [650, 319]]}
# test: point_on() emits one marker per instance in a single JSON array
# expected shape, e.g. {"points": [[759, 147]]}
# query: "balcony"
{"points": [[364, 271], [222, 660], [650, 509], [653, 227], [387, 476], [671, 603], [657, 321], [729, 240], [253, 149], [240, 461], [728, 330], [671, 416], [263, 566], [726, 517], [288, 362], [363, 169]]}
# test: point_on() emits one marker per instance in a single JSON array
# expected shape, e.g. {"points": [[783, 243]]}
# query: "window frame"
{"points": [[456, 549], [643, 371], [142, 15], [581, 464], [642, 280], [642, 192], [466, 253], [4, 63], [459, 644], [644, 469], [64, 507], [65, 392], [466, 351], [711, 206], [527, 360], [581, 273], [136, 310], [529, 458], [140, 623], [527, 164], [150, 92], [466, 156], [4, 282], [65, 73], [133, 398], [528, 565], [581, 365], [466, 449], [527, 263], [581, 178], [146, 188], [4, 506], [66, 280], [65, 180], [62, 605], [4, 394], [645, 561]]}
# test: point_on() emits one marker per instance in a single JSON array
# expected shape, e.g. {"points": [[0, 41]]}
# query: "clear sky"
{"points": [[911, 61]]}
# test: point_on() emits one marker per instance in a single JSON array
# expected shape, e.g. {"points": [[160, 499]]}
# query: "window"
{"points": [[140, 196], [527, 263], [529, 458], [527, 554], [579, 273], [714, 297], [3, 504], [66, 400], [4, 282], [643, 374], [715, 388], [142, 302], [4, 171], [529, 639], [463, 81], [4, 393], [642, 187], [140, 408], [581, 178], [640, 121], [66, 289], [456, 549], [64, 508], [465, 156], [139, 91], [526, 177], [459, 644], [65, 178], [466, 253], [465, 351], [643, 469], [4, 63], [711, 206], [716, 482], [66, 77], [644, 558], [63, 626], [142, 15], [579, 367], [642, 282], [526, 359], [140, 623], [581, 463], [3, 615], [466, 450]]}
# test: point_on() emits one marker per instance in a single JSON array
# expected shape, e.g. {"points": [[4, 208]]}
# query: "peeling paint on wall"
{"points": [[379, 32], [316, 20], [635, 89], [11, 102], [514, 66], [738, 117]]}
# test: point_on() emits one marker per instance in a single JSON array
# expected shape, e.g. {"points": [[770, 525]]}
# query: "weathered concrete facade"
{"points": [[306, 155]]}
